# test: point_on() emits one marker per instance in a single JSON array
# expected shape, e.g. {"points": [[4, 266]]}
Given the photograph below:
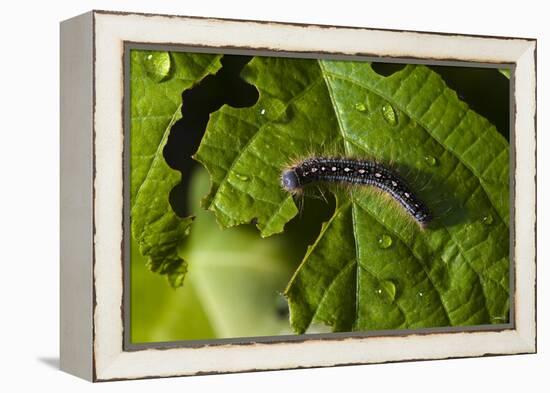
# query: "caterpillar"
{"points": [[355, 171]]}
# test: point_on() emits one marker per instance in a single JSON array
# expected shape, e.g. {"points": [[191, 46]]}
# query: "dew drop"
{"points": [[389, 288], [385, 241], [389, 114], [487, 220], [157, 65], [420, 294], [241, 177], [262, 111], [430, 160], [361, 107]]}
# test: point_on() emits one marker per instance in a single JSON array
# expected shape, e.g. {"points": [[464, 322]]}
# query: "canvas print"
{"points": [[281, 196]]}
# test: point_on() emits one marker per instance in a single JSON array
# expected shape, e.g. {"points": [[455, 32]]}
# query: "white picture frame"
{"points": [[92, 195]]}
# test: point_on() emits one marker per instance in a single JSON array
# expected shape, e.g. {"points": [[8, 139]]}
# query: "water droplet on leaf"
{"points": [[389, 288], [262, 111], [241, 177], [389, 114], [361, 107], [157, 65], [488, 219], [430, 160], [384, 241]]}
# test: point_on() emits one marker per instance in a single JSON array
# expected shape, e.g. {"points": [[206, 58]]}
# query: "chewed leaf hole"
{"points": [[207, 96], [387, 69]]}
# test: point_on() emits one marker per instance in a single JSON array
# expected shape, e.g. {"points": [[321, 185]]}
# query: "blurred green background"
{"points": [[234, 282]]}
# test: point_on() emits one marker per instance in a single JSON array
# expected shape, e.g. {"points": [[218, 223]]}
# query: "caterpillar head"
{"points": [[290, 180]]}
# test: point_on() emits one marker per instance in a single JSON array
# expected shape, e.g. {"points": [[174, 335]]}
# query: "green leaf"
{"points": [[157, 82], [505, 71], [453, 273]]}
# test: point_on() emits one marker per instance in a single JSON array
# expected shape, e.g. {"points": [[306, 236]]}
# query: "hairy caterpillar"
{"points": [[354, 171]]}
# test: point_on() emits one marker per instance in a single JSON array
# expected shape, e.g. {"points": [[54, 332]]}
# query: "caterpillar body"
{"points": [[356, 172]]}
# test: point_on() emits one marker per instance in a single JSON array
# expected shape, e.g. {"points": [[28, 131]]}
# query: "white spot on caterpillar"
{"points": [[313, 170], [407, 195], [378, 174], [347, 169], [361, 171], [333, 169], [393, 183]]}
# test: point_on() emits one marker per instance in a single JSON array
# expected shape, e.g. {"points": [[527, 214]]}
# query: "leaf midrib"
{"points": [[347, 150], [472, 171], [342, 131]]}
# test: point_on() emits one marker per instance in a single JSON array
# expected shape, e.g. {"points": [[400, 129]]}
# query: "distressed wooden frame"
{"points": [[92, 196]]}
